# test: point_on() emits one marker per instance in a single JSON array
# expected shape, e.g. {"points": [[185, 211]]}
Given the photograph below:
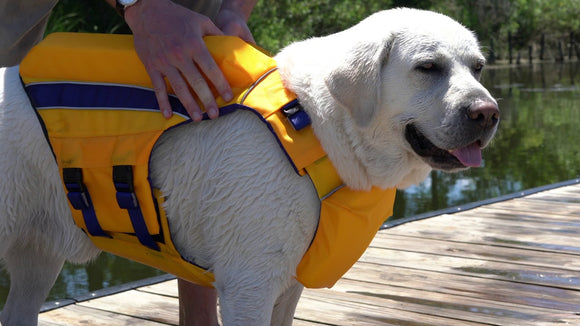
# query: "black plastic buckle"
{"points": [[296, 115], [77, 192], [123, 179], [127, 199]]}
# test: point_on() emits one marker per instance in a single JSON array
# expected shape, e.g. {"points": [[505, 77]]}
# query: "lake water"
{"points": [[537, 144]]}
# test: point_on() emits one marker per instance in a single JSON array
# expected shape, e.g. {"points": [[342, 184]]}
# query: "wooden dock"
{"points": [[512, 262]]}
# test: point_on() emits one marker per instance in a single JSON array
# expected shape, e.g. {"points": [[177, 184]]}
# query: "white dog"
{"points": [[390, 99]]}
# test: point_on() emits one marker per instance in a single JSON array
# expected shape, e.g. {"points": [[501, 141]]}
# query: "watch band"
{"points": [[121, 5]]}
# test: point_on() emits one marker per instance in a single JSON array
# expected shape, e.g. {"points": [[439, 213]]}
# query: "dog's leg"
{"points": [[247, 297], [33, 267], [285, 306], [246, 304]]}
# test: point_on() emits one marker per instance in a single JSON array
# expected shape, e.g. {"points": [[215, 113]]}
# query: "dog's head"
{"points": [[401, 90]]}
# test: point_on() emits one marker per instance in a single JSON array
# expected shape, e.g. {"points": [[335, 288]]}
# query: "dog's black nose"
{"points": [[484, 113]]}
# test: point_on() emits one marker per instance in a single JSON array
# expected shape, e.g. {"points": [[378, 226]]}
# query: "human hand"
{"points": [[169, 41], [233, 23]]}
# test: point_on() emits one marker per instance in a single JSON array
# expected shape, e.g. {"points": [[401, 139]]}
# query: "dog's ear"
{"points": [[355, 82]]}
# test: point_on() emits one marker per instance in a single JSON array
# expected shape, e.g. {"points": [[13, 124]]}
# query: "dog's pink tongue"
{"points": [[469, 155]]}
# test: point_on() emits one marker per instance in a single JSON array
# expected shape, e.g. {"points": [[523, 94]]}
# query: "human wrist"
{"points": [[134, 11]]}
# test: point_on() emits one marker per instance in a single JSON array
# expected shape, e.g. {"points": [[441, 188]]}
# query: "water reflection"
{"points": [[76, 280], [106, 271], [535, 145]]}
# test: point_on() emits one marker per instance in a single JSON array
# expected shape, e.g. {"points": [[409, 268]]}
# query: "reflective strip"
{"points": [[49, 95]]}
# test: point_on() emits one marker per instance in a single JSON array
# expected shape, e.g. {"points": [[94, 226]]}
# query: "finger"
{"points": [[181, 90], [211, 30], [241, 31], [210, 69], [160, 89], [199, 86], [248, 37], [207, 26]]}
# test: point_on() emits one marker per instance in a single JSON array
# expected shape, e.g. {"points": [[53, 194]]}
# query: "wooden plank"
{"points": [[473, 267], [559, 197], [496, 215], [400, 300], [443, 305], [335, 317], [486, 217], [403, 282], [573, 188], [467, 286], [334, 310], [487, 252], [537, 204], [564, 194], [168, 288], [305, 314], [79, 315], [300, 322], [139, 304], [452, 228]]}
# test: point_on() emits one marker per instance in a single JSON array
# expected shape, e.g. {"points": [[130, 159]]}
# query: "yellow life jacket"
{"points": [[101, 116]]}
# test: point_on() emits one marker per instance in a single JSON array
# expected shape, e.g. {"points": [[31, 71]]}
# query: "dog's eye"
{"points": [[478, 67], [427, 67]]}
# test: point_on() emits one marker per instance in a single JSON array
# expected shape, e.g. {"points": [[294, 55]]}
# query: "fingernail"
{"points": [[228, 96], [213, 113], [196, 116], [167, 113]]}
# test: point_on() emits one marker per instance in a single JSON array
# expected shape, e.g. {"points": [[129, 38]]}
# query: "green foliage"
{"points": [[526, 20], [85, 16], [276, 23]]}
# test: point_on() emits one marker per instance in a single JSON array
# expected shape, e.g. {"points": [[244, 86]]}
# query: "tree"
{"points": [[277, 23]]}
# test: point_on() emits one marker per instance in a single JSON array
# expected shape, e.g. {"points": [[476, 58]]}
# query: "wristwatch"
{"points": [[121, 5]]}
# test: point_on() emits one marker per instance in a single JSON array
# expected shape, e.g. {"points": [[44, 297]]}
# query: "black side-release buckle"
{"points": [[127, 199], [296, 115], [77, 192], [123, 179], [79, 197]]}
